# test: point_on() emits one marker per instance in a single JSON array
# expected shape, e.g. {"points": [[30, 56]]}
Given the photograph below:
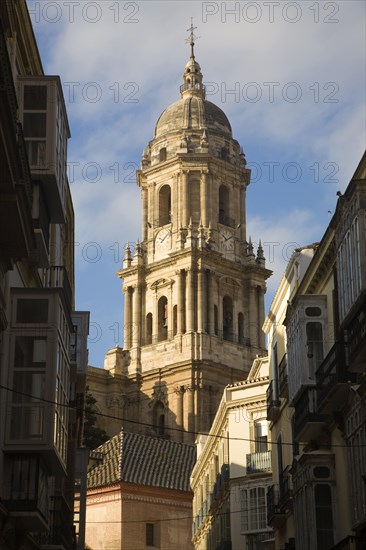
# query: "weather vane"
{"points": [[192, 37]]}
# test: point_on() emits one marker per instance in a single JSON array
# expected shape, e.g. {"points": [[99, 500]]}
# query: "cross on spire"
{"points": [[192, 37]]}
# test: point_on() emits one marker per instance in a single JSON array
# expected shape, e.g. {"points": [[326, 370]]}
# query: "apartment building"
{"points": [[43, 349], [233, 471], [316, 399]]}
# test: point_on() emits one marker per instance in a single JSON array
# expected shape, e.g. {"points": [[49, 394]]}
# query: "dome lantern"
{"points": [[192, 77]]}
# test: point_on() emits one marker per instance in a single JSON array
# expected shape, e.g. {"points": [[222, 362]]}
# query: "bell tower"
{"points": [[194, 286]]}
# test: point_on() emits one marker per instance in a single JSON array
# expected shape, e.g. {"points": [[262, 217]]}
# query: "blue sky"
{"points": [[289, 75]]}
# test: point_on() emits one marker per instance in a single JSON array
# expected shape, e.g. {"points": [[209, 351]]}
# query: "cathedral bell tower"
{"points": [[194, 286]]}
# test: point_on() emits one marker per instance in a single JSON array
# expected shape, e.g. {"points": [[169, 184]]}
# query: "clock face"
{"points": [[226, 240], [163, 240]]}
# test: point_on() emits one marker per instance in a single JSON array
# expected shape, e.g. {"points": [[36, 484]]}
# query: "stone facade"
{"points": [[193, 287]]}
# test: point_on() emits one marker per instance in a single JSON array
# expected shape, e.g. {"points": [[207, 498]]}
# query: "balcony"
{"points": [[307, 420], [43, 115], [273, 403], [186, 87], [26, 491], [222, 480], [286, 491], [16, 231], [56, 277], [276, 515], [332, 379], [356, 338], [61, 534], [283, 378], [258, 463]]}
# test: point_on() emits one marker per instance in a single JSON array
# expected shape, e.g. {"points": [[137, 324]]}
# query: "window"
{"points": [[349, 269], [227, 321], [224, 205], [149, 534], [195, 202], [323, 516], [164, 205], [163, 319], [35, 98], [253, 509], [162, 154], [261, 438], [149, 328], [32, 310], [159, 418], [314, 344], [27, 411]]}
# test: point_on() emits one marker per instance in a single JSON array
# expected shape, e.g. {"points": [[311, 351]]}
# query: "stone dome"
{"points": [[193, 112]]}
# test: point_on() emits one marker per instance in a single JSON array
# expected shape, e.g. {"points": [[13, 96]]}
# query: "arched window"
{"points": [[162, 154], [195, 202], [149, 324], [227, 318], [159, 418], [164, 205], [241, 328], [224, 205], [163, 319]]}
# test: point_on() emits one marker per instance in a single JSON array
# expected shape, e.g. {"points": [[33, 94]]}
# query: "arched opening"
{"points": [[162, 154], [159, 418], [175, 316], [163, 319], [224, 205], [241, 328], [165, 205], [195, 202], [149, 325], [227, 318]]}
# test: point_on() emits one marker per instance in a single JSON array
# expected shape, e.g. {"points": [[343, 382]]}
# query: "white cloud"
{"points": [[151, 53]]}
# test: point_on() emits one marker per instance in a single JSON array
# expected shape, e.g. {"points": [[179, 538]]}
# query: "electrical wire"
{"points": [[147, 424]]}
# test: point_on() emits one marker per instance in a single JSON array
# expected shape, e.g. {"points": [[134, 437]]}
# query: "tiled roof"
{"points": [[144, 460]]}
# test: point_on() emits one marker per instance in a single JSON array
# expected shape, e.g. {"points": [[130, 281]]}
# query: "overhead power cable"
{"points": [[168, 428]]}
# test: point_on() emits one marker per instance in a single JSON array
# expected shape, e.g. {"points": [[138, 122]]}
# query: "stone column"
{"points": [[204, 198], [201, 301], [253, 317], [213, 301], [185, 199], [189, 301], [155, 320], [220, 310], [261, 337], [191, 416], [179, 393], [144, 213], [242, 214], [180, 302], [136, 308], [127, 318]]}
